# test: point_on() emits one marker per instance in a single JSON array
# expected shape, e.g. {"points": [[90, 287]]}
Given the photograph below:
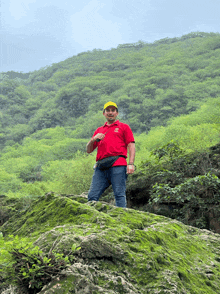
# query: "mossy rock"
{"points": [[116, 250], [87, 279]]}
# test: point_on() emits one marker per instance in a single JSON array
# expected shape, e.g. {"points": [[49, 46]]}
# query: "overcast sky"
{"points": [[37, 33]]}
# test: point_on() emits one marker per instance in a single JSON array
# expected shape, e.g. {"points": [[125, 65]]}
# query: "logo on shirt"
{"points": [[116, 130]]}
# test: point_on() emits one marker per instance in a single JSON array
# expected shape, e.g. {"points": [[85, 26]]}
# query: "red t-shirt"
{"points": [[117, 137]]}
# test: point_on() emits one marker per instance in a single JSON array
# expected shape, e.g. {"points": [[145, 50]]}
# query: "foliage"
{"points": [[181, 185], [194, 195], [167, 92], [152, 83], [74, 177], [54, 159], [191, 191], [26, 266], [8, 182], [32, 270], [170, 150], [165, 254], [193, 132], [44, 156], [13, 75]]}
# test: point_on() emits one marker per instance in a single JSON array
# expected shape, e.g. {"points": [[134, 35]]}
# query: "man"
{"points": [[112, 139]]}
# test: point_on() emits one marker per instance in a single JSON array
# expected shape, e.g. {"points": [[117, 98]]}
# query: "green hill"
{"points": [[151, 83]]}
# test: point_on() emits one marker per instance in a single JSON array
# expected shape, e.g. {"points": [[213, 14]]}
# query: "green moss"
{"points": [[44, 214], [120, 250]]}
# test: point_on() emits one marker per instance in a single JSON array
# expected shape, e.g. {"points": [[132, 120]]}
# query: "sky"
{"points": [[37, 33]]}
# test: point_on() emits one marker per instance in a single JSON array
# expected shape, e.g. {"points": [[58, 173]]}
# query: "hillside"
{"points": [[151, 83], [66, 245], [167, 91]]}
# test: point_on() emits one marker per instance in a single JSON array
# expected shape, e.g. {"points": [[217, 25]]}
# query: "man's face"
{"points": [[110, 114]]}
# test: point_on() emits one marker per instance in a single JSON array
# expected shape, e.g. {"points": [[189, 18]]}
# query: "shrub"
{"points": [[32, 270], [24, 265]]}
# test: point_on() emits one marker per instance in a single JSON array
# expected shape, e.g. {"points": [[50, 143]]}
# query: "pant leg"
{"points": [[99, 184], [118, 181]]}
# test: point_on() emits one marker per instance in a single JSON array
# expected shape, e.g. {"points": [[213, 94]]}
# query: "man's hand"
{"points": [[99, 137], [130, 166], [130, 169]]}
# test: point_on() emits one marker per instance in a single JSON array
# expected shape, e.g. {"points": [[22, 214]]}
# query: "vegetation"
{"points": [[181, 186], [168, 92], [29, 268], [151, 83], [90, 247], [54, 160]]}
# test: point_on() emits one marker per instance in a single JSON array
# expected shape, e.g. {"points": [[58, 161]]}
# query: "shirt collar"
{"points": [[114, 124]]}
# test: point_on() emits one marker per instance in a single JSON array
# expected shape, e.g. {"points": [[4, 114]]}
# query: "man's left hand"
{"points": [[130, 169]]}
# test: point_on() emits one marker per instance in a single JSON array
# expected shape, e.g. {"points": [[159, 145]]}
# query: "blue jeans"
{"points": [[102, 179]]}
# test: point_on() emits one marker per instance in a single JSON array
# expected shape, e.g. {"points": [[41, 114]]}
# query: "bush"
{"points": [[32, 270], [178, 184], [24, 265]]}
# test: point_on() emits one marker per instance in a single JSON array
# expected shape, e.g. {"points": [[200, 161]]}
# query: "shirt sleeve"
{"points": [[128, 134]]}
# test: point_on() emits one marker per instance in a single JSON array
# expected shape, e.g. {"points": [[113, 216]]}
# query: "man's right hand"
{"points": [[98, 137]]}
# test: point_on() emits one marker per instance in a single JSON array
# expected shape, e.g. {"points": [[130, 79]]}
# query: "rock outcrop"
{"points": [[116, 250]]}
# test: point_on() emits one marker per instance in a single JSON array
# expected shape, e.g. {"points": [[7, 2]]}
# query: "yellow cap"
{"points": [[110, 103]]}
